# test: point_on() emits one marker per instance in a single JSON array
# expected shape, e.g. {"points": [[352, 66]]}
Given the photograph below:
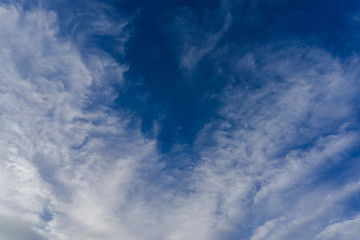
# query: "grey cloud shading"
{"points": [[17, 229]]}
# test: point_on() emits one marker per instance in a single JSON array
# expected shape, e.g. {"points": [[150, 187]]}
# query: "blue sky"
{"points": [[220, 119]]}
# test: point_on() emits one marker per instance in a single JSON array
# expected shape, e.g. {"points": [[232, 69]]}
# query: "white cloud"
{"points": [[67, 173], [348, 229], [276, 139]]}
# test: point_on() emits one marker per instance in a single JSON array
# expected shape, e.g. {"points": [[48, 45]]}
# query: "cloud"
{"points": [[64, 169], [14, 227], [277, 139], [347, 229], [195, 34], [73, 168]]}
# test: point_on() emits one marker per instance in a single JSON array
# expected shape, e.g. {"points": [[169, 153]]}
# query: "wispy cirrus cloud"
{"points": [[192, 41], [61, 164], [73, 168], [280, 138]]}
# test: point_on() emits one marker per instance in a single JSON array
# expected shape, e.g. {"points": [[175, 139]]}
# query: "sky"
{"points": [[182, 119]]}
